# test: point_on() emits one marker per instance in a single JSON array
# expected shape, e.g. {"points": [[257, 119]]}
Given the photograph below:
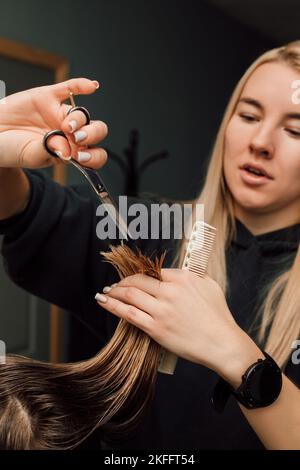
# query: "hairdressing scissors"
{"points": [[91, 175]]}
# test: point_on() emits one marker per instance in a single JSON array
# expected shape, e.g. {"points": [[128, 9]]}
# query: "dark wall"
{"points": [[167, 68]]}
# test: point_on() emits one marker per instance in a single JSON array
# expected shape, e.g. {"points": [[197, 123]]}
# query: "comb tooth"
{"points": [[204, 247], [199, 273], [201, 243], [197, 266], [198, 255], [199, 248], [198, 258]]}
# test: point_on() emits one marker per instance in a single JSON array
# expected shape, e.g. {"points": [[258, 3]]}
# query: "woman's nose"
{"points": [[260, 150], [261, 144]]}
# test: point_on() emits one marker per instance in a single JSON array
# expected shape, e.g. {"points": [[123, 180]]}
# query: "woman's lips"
{"points": [[252, 179]]}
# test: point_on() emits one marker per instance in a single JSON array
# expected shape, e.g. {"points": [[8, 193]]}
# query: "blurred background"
{"points": [[167, 69]]}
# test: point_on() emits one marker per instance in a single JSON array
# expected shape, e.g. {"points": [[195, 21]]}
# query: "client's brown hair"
{"points": [[57, 406]]}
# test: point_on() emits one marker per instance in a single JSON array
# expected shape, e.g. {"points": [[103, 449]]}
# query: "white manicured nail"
{"points": [[73, 126], [96, 83], [114, 285], [84, 156], [106, 289], [80, 135], [101, 298], [60, 155]]}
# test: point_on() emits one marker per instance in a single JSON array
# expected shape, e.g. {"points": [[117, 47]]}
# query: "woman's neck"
{"points": [[259, 223]]}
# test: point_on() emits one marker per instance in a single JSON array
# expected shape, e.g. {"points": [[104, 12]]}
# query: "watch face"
{"points": [[263, 384]]}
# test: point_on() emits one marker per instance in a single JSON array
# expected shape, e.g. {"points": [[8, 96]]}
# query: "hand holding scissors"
{"points": [[25, 117], [81, 114]]}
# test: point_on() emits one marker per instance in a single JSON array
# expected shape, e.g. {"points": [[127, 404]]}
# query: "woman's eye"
{"points": [[248, 117], [293, 133]]}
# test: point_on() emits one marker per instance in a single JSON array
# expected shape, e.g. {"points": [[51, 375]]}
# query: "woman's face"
{"points": [[262, 136]]}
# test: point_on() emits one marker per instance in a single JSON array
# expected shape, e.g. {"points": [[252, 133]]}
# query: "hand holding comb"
{"points": [[196, 259]]}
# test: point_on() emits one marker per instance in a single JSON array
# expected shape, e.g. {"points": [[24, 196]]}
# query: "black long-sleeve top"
{"points": [[52, 251]]}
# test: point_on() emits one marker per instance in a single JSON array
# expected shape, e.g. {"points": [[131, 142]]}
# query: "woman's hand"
{"points": [[186, 314], [26, 116]]}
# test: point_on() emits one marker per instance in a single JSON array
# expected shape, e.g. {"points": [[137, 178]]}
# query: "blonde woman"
{"points": [[244, 311], [253, 180]]}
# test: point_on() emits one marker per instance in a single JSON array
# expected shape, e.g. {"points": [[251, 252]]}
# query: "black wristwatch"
{"points": [[261, 386]]}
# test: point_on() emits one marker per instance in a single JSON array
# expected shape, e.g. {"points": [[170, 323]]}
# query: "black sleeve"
{"points": [[52, 251], [292, 369]]}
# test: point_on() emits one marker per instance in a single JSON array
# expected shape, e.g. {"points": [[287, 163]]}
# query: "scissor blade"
{"points": [[115, 215], [97, 184]]}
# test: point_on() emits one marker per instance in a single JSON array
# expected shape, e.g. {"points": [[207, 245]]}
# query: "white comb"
{"points": [[196, 259]]}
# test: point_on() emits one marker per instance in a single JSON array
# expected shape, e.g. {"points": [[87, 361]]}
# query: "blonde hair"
{"points": [[280, 318]]}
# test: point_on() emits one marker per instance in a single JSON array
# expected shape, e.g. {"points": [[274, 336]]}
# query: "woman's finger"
{"points": [[91, 134], [143, 282], [73, 121], [129, 313], [60, 146], [133, 296], [78, 86], [91, 157]]}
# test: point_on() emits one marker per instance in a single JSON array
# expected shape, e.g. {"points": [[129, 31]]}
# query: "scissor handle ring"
{"points": [[48, 135], [83, 110]]}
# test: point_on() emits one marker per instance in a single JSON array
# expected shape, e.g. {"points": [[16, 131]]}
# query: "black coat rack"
{"points": [[130, 167]]}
